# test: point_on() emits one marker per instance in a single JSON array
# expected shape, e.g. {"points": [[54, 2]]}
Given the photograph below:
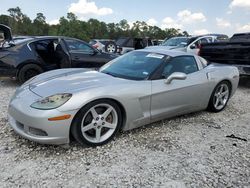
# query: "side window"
{"points": [[41, 45], [75, 45], [204, 41], [185, 64], [210, 39], [199, 42]]}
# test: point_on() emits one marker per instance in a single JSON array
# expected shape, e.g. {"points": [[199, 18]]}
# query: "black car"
{"points": [[235, 51], [30, 56]]}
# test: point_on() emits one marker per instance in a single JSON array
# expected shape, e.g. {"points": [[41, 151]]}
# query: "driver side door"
{"points": [[179, 96], [82, 55]]}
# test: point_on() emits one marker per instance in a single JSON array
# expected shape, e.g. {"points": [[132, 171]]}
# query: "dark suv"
{"points": [[127, 44]]}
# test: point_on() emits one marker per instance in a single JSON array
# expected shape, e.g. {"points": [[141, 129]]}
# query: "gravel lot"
{"points": [[187, 151]]}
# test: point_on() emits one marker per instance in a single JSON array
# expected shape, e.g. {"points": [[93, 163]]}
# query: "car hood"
{"points": [[69, 81], [6, 32]]}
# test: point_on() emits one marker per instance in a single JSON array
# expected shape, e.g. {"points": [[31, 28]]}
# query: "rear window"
{"points": [[222, 38]]}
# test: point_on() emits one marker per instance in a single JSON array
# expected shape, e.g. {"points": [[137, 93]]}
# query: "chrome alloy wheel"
{"points": [[221, 96], [111, 48], [99, 123]]}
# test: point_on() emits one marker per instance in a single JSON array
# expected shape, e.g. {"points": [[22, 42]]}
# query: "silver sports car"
{"points": [[132, 90]]}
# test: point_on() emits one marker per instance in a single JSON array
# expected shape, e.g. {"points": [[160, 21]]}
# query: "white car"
{"points": [[104, 45], [191, 44], [194, 43]]}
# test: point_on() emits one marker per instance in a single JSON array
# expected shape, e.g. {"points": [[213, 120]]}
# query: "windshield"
{"points": [[175, 41], [92, 42], [136, 65]]}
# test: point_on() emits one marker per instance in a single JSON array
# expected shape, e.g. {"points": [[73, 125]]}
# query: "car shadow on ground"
{"points": [[9, 82]]}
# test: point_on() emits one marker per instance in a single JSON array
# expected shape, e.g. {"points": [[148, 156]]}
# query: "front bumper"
{"points": [[33, 124]]}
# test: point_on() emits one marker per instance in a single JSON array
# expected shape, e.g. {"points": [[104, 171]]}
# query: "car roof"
{"points": [[172, 53]]}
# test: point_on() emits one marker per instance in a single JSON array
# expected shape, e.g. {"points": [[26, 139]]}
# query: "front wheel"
{"points": [[97, 123], [219, 97]]}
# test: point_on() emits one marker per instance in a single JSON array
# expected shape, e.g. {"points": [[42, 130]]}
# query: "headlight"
{"points": [[52, 102]]}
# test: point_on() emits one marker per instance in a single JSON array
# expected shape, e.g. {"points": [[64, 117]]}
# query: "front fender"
{"points": [[135, 99]]}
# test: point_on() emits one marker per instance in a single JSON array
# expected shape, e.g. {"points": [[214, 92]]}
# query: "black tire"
{"points": [[211, 106], [28, 71], [81, 116], [111, 47]]}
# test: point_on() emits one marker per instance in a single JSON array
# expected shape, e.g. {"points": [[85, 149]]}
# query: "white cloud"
{"points": [[222, 23], [201, 32], [152, 22], [240, 4], [85, 7], [54, 22], [184, 17], [169, 22], [243, 28], [187, 17]]}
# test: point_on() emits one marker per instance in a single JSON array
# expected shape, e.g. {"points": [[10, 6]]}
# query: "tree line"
{"points": [[71, 26]]}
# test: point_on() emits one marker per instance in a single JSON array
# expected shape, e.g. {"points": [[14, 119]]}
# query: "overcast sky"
{"points": [[194, 16]]}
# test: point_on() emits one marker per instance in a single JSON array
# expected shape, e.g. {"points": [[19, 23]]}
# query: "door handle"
{"points": [[76, 57]]}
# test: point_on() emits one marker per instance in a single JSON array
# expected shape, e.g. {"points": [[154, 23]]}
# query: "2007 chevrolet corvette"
{"points": [[135, 89]]}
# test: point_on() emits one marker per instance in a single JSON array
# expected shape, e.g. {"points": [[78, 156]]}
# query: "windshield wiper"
{"points": [[109, 74]]}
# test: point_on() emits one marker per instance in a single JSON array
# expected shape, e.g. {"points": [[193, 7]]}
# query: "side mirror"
{"points": [[192, 46], [176, 76]]}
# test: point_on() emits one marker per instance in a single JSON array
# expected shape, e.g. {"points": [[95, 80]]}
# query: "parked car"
{"points": [[234, 52], [104, 45], [127, 44], [135, 89], [28, 57], [194, 43], [191, 44]]}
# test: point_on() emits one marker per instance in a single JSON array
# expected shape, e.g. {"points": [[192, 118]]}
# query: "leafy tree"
{"points": [[73, 27], [40, 25]]}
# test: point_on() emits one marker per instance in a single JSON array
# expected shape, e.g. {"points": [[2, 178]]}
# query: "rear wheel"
{"points": [[219, 97], [111, 47], [28, 71], [97, 123]]}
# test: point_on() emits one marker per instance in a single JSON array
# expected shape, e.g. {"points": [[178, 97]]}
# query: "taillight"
{"points": [[95, 46]]}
